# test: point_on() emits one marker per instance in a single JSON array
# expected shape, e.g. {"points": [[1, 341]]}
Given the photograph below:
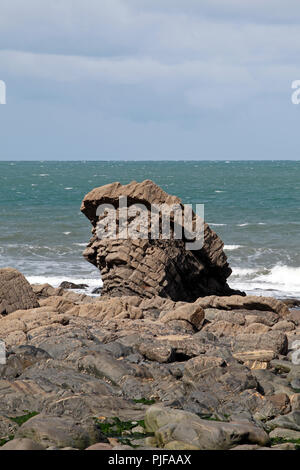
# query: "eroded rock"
{"points": [[15, 292], [176, 429], [148, 267]]}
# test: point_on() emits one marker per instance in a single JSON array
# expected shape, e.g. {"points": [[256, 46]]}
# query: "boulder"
{"points": [[284, 325], [177, 430], [259, 347], [148, 267], [15, 292], [288, 421], [294, 317], [61, 432], [22, 444], [193, 314], [197, 367], [155, 351], [102, 365], [285, 434]]}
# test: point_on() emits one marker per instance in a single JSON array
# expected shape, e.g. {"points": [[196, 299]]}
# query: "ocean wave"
{"points": [[243, 271], [232, 247], [246, 224], [216, 225], [55, 281], [280, 280]]}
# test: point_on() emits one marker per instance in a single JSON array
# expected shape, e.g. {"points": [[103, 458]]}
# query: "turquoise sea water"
{"points": [[253, 206]]}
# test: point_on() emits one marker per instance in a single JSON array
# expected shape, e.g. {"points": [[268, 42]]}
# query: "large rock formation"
{"points": [[15, 292], [148, 267]]}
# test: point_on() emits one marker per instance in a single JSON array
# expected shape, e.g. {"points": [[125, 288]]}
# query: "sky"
{"points": [[149, 79]]}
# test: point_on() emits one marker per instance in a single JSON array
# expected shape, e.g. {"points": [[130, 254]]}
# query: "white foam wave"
{"points": [[216, 225], [55, 281], [232, 247], [248, 223], [281, 280], [243, 271]]}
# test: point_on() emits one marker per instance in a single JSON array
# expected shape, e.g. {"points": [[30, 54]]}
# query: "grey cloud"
{"points": [[166, 74]]}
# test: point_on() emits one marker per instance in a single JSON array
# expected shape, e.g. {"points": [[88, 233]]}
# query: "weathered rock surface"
{"points": [[61, 432], [176, 429], [148, 267], [249, 302], [79, 361], [288, 421], [22, 444], [15, 292], [285, 434], [261, 347]]}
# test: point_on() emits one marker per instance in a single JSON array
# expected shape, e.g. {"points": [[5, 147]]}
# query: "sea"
{"points": [[254, 206]]}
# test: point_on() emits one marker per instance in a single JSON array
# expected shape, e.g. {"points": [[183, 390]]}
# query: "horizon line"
{"points": [[148, 161]]}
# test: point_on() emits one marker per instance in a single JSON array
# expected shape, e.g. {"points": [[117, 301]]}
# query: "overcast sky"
{"points": [[149, 79]]}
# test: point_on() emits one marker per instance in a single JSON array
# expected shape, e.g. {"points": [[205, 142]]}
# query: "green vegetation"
{"points": [[282, 440], [4, 440], [121, 430], [144, 401], [19, 420], [114, 427], [22, 419]]}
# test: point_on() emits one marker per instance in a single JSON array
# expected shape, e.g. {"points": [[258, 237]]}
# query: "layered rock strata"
{"points": [[149, 267]]}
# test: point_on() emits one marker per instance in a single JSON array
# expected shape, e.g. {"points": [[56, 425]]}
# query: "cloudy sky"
{"points": [[149, 79]]}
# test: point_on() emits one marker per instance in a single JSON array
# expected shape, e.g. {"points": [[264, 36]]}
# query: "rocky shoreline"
{"points": [[155, 368]]}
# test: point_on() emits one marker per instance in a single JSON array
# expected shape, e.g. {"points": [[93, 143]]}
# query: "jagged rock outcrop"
{"points": [[15, 292], [148, 267]]}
